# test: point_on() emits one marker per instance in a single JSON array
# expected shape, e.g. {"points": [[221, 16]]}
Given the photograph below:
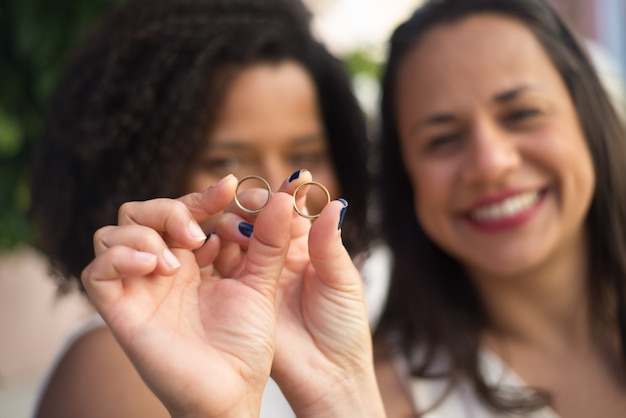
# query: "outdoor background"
{"points": [[35, 36]]}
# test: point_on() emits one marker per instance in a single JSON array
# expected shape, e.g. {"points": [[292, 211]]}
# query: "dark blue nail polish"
{"points": [[294, 176], [343, 211], [246, 229]]}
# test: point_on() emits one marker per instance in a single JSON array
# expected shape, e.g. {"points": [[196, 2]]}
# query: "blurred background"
{"points": [[35, 36]]}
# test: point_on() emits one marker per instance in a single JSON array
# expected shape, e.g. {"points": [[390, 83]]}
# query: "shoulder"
{"points": [[95, 378]]}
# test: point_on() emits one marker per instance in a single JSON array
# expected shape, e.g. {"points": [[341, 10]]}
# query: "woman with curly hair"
{"points": [[165, 98]]}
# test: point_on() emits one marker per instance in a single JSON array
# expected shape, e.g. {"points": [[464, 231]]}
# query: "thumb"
{"points": [[328, 255], [268, 246]]}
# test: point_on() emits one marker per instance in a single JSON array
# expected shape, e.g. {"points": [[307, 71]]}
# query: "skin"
{"points": [[269, 125], [297, 282], [304, 315], [489, 128], [483, 117]]}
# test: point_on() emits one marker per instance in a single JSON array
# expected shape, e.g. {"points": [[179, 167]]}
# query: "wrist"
{"points": [[350, 397], [235, 413], [247, 408]]}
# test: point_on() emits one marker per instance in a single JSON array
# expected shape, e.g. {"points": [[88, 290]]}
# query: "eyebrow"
{"points": [[509, 95], [436, 119], [442, 118], [233, 144]]}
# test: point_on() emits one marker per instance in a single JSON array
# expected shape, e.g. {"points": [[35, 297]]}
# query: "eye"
{"points": [[220, 165], [309, 158], [443, 141], [521, 115]]}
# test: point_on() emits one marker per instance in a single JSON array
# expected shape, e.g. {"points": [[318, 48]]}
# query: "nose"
{"points": [[492, 155], [275, 171]]}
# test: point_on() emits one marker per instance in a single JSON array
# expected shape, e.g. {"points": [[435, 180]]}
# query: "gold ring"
{"points": [[267, 186], [295, 193]]}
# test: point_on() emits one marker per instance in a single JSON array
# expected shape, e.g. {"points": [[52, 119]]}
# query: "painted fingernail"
{"points": [[343, 211], [170, 259], [294, 176], [246, 229], [196, 232]]}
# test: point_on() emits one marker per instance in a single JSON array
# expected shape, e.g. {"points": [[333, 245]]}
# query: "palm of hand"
{"points": [[200, 323], [311, 313]]}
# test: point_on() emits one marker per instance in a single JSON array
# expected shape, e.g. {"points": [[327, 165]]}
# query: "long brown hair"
{"points": [[432, 303]]}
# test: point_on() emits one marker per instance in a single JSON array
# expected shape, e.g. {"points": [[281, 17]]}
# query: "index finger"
{"points": [[179, 218], [210, 201]]}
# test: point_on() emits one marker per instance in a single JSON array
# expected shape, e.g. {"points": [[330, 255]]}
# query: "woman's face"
{"points": [[501, 173], [269, 125]]}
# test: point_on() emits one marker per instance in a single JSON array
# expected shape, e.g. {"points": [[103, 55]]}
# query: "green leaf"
{"points": [[10, 135]]}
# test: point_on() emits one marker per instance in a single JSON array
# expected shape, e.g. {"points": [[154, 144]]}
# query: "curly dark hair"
{"points": [[139, 96], [432, 302]]}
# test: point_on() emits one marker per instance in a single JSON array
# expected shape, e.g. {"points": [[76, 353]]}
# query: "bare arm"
{"points": [[96, 379]]}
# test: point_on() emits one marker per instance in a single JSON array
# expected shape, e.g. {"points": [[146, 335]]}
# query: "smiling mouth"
{"points": [[507, 208]]}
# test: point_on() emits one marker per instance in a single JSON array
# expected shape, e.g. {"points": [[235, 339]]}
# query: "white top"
{"points": [[462, 401]]}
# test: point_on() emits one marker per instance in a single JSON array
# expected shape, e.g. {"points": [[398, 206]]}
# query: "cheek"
{"points": [[583, 164], [198, 181], [326, 176], [316, 199], [583, 177], [427, 180], [570, 160], [427, 203], [432, 198]]}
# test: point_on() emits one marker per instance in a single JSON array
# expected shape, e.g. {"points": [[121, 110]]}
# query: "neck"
{"points": [[547, 306]]}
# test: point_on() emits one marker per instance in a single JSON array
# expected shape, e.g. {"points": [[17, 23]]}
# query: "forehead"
{"points": [[268, 102], [478, 56], [270, 82]]}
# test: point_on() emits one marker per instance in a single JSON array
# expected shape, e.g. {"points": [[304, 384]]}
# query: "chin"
{"points": [[503, 267]]}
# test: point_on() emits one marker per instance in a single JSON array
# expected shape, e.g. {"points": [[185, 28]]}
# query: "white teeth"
{"points": [[507, 208]]}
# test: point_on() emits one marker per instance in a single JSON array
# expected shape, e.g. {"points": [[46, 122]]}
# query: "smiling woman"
{"points": [[501, 173], [500, 150]]}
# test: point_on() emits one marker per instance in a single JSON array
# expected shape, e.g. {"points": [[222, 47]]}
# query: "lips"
{"points": [[507, 208], [506, 212]]}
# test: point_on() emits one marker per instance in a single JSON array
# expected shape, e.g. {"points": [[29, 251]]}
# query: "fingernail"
{"points": [[144, 256], [170, 259], [343, 211], [196, 232], [221, 181], [208, 236], [224, 179], [246, 229], [294, 176]]}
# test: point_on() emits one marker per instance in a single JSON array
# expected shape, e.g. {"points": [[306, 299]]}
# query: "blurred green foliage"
{"points": [[361, 61], [35, 37]]}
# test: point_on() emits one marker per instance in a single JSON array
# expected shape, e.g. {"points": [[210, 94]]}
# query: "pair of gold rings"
{"points": [[269, 193]]}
